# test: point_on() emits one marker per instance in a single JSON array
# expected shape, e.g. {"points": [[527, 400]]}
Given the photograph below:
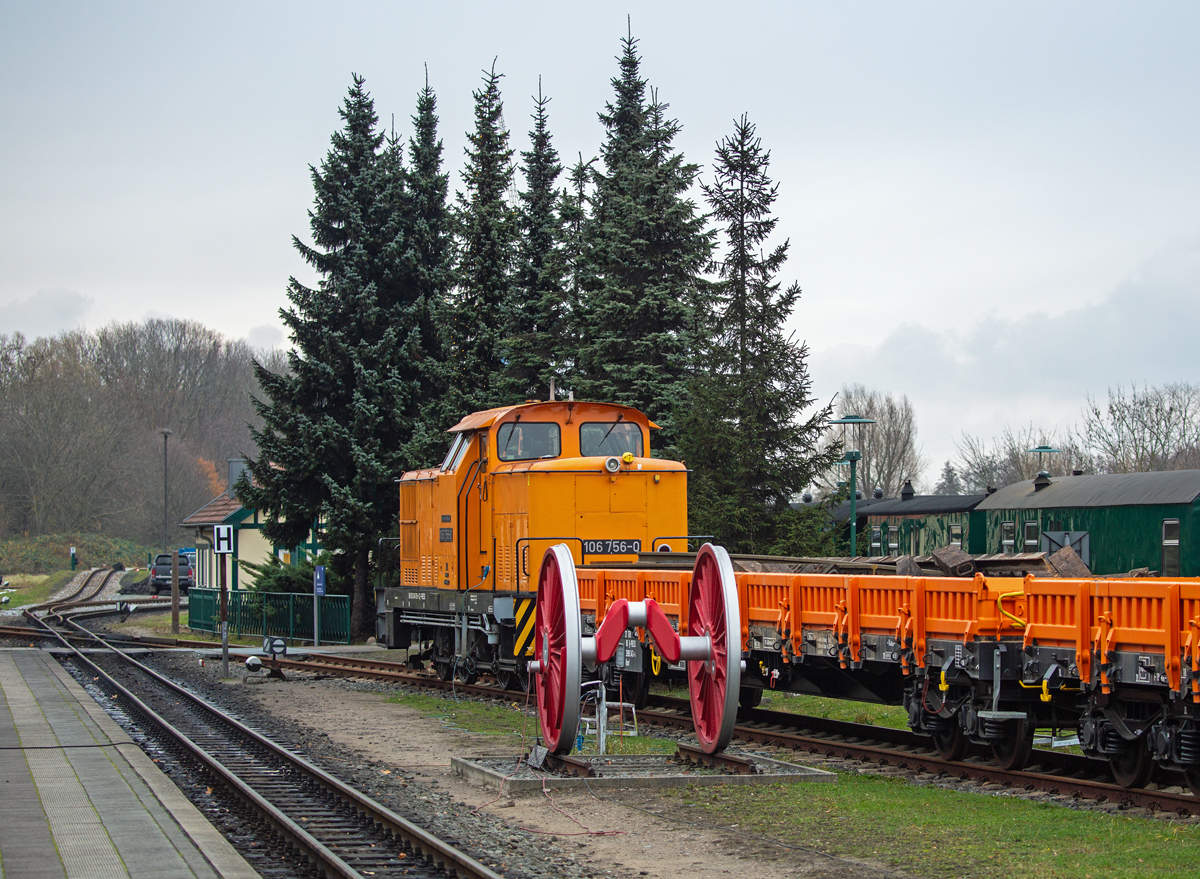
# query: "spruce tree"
{"points": [[573, 201], [487, 234], [429, 260], [646, 248], [745, 435], [336, 423], [536, 314]]}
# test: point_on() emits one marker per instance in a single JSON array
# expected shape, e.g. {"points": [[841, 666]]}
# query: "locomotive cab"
{"points": [[462, 574]]}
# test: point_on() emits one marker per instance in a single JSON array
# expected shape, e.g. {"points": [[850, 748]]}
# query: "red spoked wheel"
{"points": [[713, 684], [558, 649]]}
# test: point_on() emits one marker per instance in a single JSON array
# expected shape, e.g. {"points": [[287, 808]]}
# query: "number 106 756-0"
{"points": [[611, 547]]}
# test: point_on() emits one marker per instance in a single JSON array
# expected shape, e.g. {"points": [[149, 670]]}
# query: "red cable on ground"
{"points": [[520, 761]]}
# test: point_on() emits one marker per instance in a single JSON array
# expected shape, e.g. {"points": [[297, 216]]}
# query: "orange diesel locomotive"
{"points": [[561, 497], [516, 481]]}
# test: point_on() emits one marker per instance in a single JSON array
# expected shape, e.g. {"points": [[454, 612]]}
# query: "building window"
{"points": [[893, 540], [1008, 536], [1031, 536], [1170, 548], [956, 536], [876, 541]]}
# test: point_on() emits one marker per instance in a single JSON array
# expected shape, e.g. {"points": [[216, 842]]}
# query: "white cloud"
{"points": [[264, 337], [1037, 368], [46, 313]]}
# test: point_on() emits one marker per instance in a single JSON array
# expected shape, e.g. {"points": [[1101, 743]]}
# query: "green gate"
{"points": [[278, 614]]}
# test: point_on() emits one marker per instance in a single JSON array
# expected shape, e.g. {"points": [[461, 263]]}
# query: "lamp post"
{"points": [[852, 457], [1043, 450], [166, 433]]}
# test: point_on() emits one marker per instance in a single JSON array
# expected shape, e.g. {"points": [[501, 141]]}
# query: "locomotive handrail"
{"points": [[654, 543], [519, 563]]}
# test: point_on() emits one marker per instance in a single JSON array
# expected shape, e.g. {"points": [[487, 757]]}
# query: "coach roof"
{"points": [[1108, 490]]}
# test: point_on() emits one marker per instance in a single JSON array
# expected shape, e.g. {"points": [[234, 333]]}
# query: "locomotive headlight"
{"points": [[627, 457], [612, 465]]}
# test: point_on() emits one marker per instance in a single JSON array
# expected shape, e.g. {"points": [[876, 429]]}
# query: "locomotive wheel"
{"points": [[443, 654], [636, 687], [1192, 774], [465, 671], [1133, 768], [1012, 753], [951, 743], [750, 697], [713, 685], [522, 679], [557, 646]]}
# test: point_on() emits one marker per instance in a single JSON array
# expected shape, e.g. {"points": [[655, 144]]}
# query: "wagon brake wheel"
{"points": [[1133, 767], [558, 648], [951, 743], [1012, 753], [1192, 775], [713, 685]]}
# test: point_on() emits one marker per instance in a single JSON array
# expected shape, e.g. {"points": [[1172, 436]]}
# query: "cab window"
{"points": [[528, 440], [611, 438], [458, 443], [459, 450]]}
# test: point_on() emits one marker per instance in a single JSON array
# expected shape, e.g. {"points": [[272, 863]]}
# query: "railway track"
{"points": [[333, 829], [1054, 773]]}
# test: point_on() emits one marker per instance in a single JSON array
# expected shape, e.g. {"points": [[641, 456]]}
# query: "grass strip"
{"points": [[935, 832], [480, 718]]}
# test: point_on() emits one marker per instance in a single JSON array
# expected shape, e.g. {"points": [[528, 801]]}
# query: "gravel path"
{"points": [[402, 757]]}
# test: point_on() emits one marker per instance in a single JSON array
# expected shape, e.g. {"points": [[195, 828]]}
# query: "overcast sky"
{"points": [[994, 209]]}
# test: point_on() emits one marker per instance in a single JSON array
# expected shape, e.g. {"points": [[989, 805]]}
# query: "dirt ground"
{"points": [[605, 832]]}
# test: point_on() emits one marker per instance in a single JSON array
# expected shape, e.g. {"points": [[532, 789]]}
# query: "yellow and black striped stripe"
{"points": [[523, 644]]}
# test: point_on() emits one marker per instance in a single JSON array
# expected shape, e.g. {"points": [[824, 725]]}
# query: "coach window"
{"points": [[528, 440], [611, 438], [1031, 536], [956, 536], [1170, 548], [876, 541], [893, 540], [1008, 536]]}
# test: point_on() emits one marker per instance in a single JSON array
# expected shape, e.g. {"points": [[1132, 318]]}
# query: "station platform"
{"points": [[79, 799]]}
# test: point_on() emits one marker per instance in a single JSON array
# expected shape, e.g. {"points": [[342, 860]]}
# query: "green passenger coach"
{"points": [[1115, 522]]}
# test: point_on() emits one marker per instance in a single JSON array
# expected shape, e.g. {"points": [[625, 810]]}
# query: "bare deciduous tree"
{"points": [[890, 453], [79, 419], [1008, 459], [1155, 428]]}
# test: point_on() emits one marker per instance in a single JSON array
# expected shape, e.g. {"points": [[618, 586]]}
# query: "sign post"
{"points": [[318, 593], [174, 593], [222, 547]]}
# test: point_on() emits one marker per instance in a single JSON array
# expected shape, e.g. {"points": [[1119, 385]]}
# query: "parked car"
{"points": [[160, 573]]}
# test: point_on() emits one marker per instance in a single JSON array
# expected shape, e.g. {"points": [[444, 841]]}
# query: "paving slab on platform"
{"points": [[79, 799], [514, 775]]}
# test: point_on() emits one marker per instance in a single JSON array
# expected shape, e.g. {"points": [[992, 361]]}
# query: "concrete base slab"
{"points": [[514, 776]]}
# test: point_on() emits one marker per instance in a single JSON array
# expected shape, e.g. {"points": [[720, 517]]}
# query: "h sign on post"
{"points": [[223, 539], [318, 592]]}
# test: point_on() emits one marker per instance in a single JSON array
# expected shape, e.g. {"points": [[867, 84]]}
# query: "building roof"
{"points": [[841, 513], [215, 512], [1109, 490], [926, 503]]}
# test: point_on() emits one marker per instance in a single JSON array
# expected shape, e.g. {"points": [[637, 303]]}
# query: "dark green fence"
{"points": [[278, 614]]}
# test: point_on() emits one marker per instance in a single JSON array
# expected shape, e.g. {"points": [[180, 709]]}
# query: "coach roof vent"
{"points": [[1041, 480], [906, 491]]}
